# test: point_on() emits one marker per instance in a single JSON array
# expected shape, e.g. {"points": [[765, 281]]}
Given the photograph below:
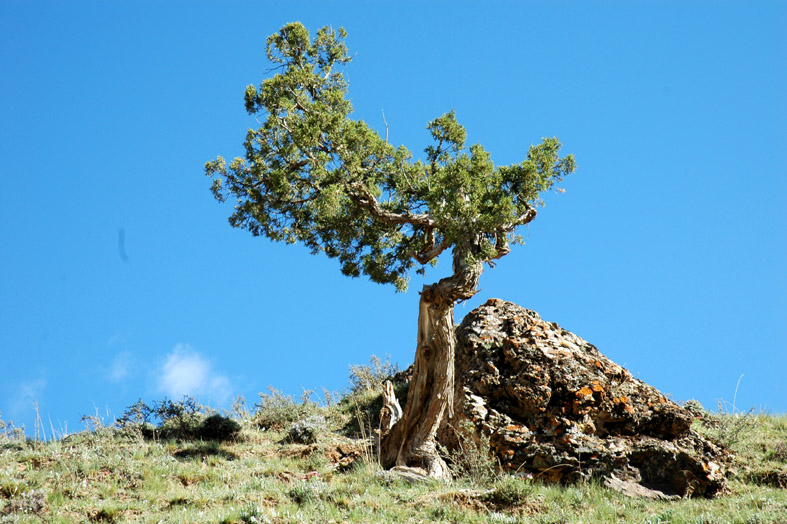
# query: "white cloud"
{"points": [[186, 372], [121, 367]]}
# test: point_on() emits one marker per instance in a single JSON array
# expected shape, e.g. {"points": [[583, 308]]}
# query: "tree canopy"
{"points": [[314, 175]]}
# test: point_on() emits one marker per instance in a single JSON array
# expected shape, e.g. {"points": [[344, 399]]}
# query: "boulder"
{"points": [[555, 408]]}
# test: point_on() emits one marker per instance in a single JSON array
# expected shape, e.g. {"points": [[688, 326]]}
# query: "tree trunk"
{"points": [[411, 441]]}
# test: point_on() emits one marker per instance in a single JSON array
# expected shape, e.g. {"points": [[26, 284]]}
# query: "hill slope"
{"points": [[297, 461]]}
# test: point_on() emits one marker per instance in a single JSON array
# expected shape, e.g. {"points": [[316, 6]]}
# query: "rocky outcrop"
{"points": [[555, 408]]}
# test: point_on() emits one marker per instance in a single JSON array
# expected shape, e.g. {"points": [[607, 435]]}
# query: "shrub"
{"points": [[509, 491], [305, 491], [307, 430], [185, 419], [472, 458], [361, 409], [725, 427], [371, 377], [9, 432], [137, 414], [278, 411], [179, 420], [729, 429], [218, 427], [695, 408]]}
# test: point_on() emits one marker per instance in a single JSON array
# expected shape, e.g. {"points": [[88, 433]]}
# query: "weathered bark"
{"points": [[411, 441], [392, 411]]}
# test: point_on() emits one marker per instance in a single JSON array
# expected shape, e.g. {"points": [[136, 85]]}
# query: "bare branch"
{"points": [[361, 196], [528, 217], [433, 253], [386, 125]]}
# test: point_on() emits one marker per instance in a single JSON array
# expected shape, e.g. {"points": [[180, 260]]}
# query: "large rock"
{"points": [[555, 408]]}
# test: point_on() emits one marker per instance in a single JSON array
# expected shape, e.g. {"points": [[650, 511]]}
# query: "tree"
{"points": [[313, 175]]}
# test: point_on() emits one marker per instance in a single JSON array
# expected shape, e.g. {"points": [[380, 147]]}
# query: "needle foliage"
{"points": [[314, 175]]}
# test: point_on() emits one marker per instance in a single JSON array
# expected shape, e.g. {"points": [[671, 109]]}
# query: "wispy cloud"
{"points": [[187, 372], [121, 367], [27, 394]]}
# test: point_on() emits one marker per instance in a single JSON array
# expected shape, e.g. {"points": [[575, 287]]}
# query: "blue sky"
{"points": [[121, 277]]}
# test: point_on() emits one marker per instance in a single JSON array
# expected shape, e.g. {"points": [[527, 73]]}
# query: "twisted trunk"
{"points": [[411, 441]]}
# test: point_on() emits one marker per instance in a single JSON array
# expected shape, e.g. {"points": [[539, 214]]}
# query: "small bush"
{"points": [[509, 491], [372, 376], [472, 458], [278, 411], [239, 411], [186, 419], [251, 514], [695, 408], [218, 427], [9, 432], [725, 427], [362, 409], [137, 414], [306, 491], [729, 429], [306, 431]]}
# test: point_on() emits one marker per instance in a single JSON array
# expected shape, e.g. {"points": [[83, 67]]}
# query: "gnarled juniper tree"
{"points": [[312, 174]]}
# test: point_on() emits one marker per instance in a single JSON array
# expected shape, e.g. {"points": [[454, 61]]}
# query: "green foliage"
{"points": [[306, 491], [218, 427], [372, 376], [183, 419], [277, 411], [510, 491], [307, 431], [311, 174], [725, 428], [757, 441], [729, 429], [9, 432], [104, 476], [361, 408]]}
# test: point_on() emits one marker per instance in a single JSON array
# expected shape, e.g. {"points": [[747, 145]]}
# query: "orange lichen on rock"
{"points": [[624, 402], [556, 409], [584, 393]]}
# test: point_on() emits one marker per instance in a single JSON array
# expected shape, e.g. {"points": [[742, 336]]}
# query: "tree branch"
{"points": [[386, 125], [528, 217], [361, 196], [501, 241], [501, 246], [463, 284], [434, 252]]}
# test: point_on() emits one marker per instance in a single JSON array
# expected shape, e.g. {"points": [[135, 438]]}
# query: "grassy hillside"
{"points": [[289, 461]]}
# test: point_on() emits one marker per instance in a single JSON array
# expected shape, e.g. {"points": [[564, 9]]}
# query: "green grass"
{"points": [[113, 475]]}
